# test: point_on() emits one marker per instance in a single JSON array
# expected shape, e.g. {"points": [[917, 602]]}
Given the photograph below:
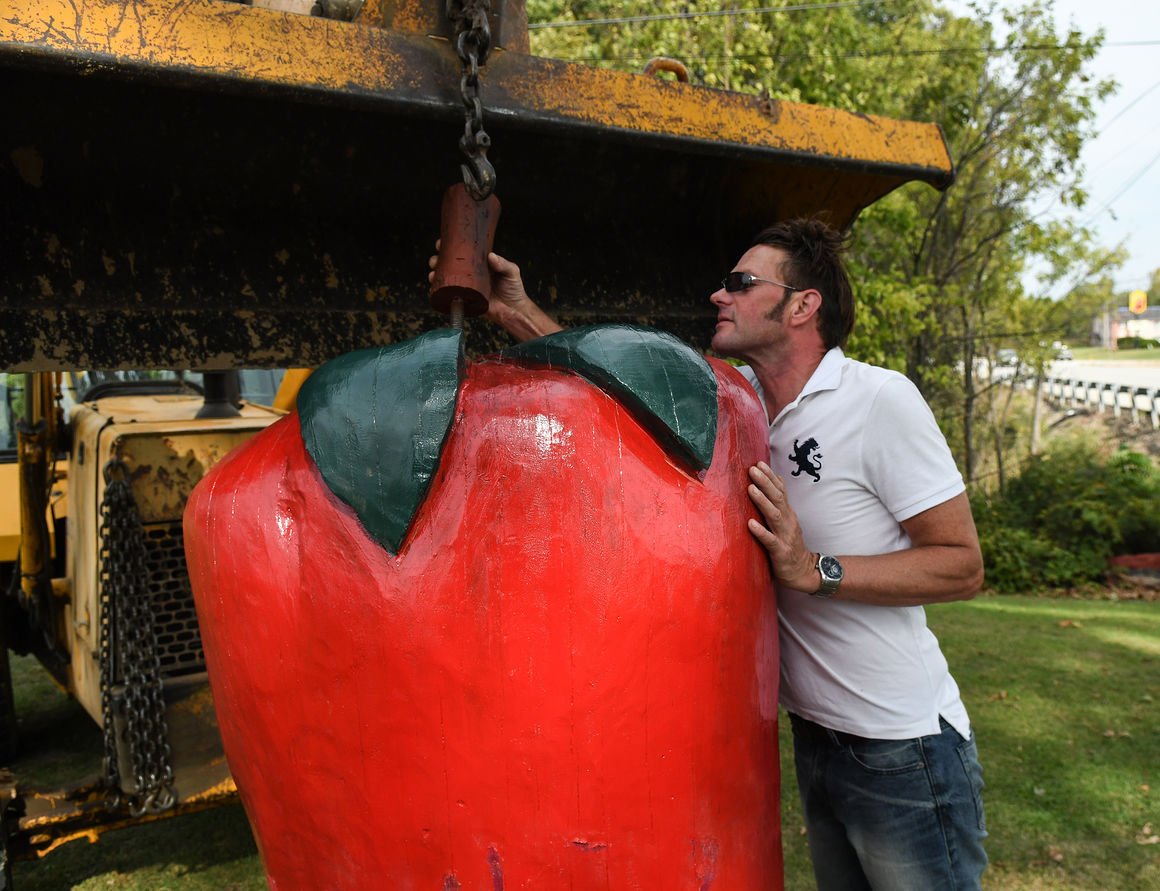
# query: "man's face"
{"points": [[751, 320]]}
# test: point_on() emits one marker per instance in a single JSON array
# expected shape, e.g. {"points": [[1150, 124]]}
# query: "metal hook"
{"points": [[673, 66], [478, 174]]}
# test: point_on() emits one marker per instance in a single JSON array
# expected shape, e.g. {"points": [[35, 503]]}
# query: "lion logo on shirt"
{"points": [[804, 461]]}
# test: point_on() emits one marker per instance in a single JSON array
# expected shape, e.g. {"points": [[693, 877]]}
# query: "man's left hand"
{"points": [[794, 566]]}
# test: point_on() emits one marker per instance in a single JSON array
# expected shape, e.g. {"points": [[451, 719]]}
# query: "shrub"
{"points": [[1137, 343], [1069, 510]]}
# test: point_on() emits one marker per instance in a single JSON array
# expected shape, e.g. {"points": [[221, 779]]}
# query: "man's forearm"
{"points": [[525, 321], [943, 562], [911, 577]]}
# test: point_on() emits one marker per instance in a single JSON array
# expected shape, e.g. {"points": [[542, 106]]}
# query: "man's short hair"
{"points": [[815, 260]]}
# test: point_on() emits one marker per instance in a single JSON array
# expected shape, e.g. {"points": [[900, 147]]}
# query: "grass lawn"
{"points": [[1102, 354], [1064, 698]]}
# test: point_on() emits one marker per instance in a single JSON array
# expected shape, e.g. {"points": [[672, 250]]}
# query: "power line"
{"points": [[709, 13], [1096, 135], [1131, 182], [869, 54], [1119, 114]]}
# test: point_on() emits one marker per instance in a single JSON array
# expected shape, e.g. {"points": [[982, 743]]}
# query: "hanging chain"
{"points": [[112, 765], [128, 637], [473, 43]]}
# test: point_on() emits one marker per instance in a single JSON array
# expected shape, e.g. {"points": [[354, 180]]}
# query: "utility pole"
{"points": [[1036, 411]]}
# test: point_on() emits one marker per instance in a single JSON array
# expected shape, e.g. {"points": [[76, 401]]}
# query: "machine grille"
{"points": [[178, 635]]}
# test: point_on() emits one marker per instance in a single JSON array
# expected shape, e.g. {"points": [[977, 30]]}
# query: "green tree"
{"points": [[939, 274], [1025, 119]]}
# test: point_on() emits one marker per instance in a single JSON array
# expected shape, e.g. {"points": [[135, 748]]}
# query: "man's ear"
{"points": [[806, 306]]}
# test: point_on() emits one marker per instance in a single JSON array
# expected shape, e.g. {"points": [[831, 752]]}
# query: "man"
{"points": [[865, 520]]}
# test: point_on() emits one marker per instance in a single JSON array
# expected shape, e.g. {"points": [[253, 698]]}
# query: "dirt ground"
{"points": [[1114, 432]]}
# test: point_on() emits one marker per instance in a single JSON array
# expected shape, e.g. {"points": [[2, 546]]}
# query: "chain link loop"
{"points": [[473, 44], [128, 638]]}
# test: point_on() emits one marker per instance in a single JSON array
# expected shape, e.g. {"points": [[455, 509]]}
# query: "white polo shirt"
{"points": [[860, 452]]}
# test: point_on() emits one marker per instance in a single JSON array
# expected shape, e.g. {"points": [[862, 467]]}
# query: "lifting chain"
{"points": [[128, 639], [473, 43]]}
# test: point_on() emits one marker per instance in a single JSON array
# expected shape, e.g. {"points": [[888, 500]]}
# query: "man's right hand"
{"points": [[508, 304]]}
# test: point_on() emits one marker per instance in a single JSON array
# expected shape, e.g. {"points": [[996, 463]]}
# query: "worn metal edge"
{"points": [[218, 44]]}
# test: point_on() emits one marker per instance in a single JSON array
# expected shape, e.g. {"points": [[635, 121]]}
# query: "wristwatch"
{"points": [[831, 572]]}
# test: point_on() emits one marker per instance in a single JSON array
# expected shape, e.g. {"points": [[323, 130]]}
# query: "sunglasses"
{"points": [[743, 281]]}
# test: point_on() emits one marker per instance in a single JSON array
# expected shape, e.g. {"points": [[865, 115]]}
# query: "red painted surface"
{"points": [[566, 678], [1136, 561]]}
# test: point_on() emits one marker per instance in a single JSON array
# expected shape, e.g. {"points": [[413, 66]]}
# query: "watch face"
{"points": [[830, 568]]}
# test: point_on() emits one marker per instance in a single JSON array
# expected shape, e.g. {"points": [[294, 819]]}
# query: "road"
{"points": [[1126, 373]]}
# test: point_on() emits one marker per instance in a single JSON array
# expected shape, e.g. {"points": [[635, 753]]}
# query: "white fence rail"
{"points": [[1117, 398]]}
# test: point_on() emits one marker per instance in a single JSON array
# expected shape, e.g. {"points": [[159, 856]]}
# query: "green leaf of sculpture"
{"points": [[375, 420], [666, 383]]}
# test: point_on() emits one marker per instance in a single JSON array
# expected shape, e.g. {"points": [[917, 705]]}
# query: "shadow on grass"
{"points": [[208, 850]]}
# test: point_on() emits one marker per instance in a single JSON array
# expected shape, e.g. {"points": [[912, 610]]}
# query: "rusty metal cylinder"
{"points": [[466, 236]]}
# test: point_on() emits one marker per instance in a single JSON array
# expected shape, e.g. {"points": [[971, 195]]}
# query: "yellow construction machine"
{"points": [[197, 189]]}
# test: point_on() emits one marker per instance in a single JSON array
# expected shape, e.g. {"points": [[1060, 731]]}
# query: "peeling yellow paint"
{"points": [[371, 13], [637, 102], [79, 287], [209, 38], [46, 289], [331, 272], [167, 284], [410, 15], [222, 789], [109, 263], [91, 834]]}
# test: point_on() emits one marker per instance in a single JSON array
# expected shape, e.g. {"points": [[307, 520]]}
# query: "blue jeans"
{"points": [[891, 815]]}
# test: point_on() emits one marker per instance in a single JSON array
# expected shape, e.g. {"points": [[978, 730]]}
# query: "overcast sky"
{"points": [[1122, 164]]}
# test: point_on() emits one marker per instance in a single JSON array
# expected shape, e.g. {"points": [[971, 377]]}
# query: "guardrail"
{"points": [[1117, 398]]}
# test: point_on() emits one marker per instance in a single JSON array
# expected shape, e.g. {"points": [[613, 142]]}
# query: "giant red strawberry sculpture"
{"points": [[499, 626]]}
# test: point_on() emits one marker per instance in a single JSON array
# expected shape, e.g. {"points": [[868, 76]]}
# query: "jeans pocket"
{"points": [[969, 757], [888, 756]]}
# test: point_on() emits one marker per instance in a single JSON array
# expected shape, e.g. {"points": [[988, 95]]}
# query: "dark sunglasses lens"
{"points": [[738, 281]]}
